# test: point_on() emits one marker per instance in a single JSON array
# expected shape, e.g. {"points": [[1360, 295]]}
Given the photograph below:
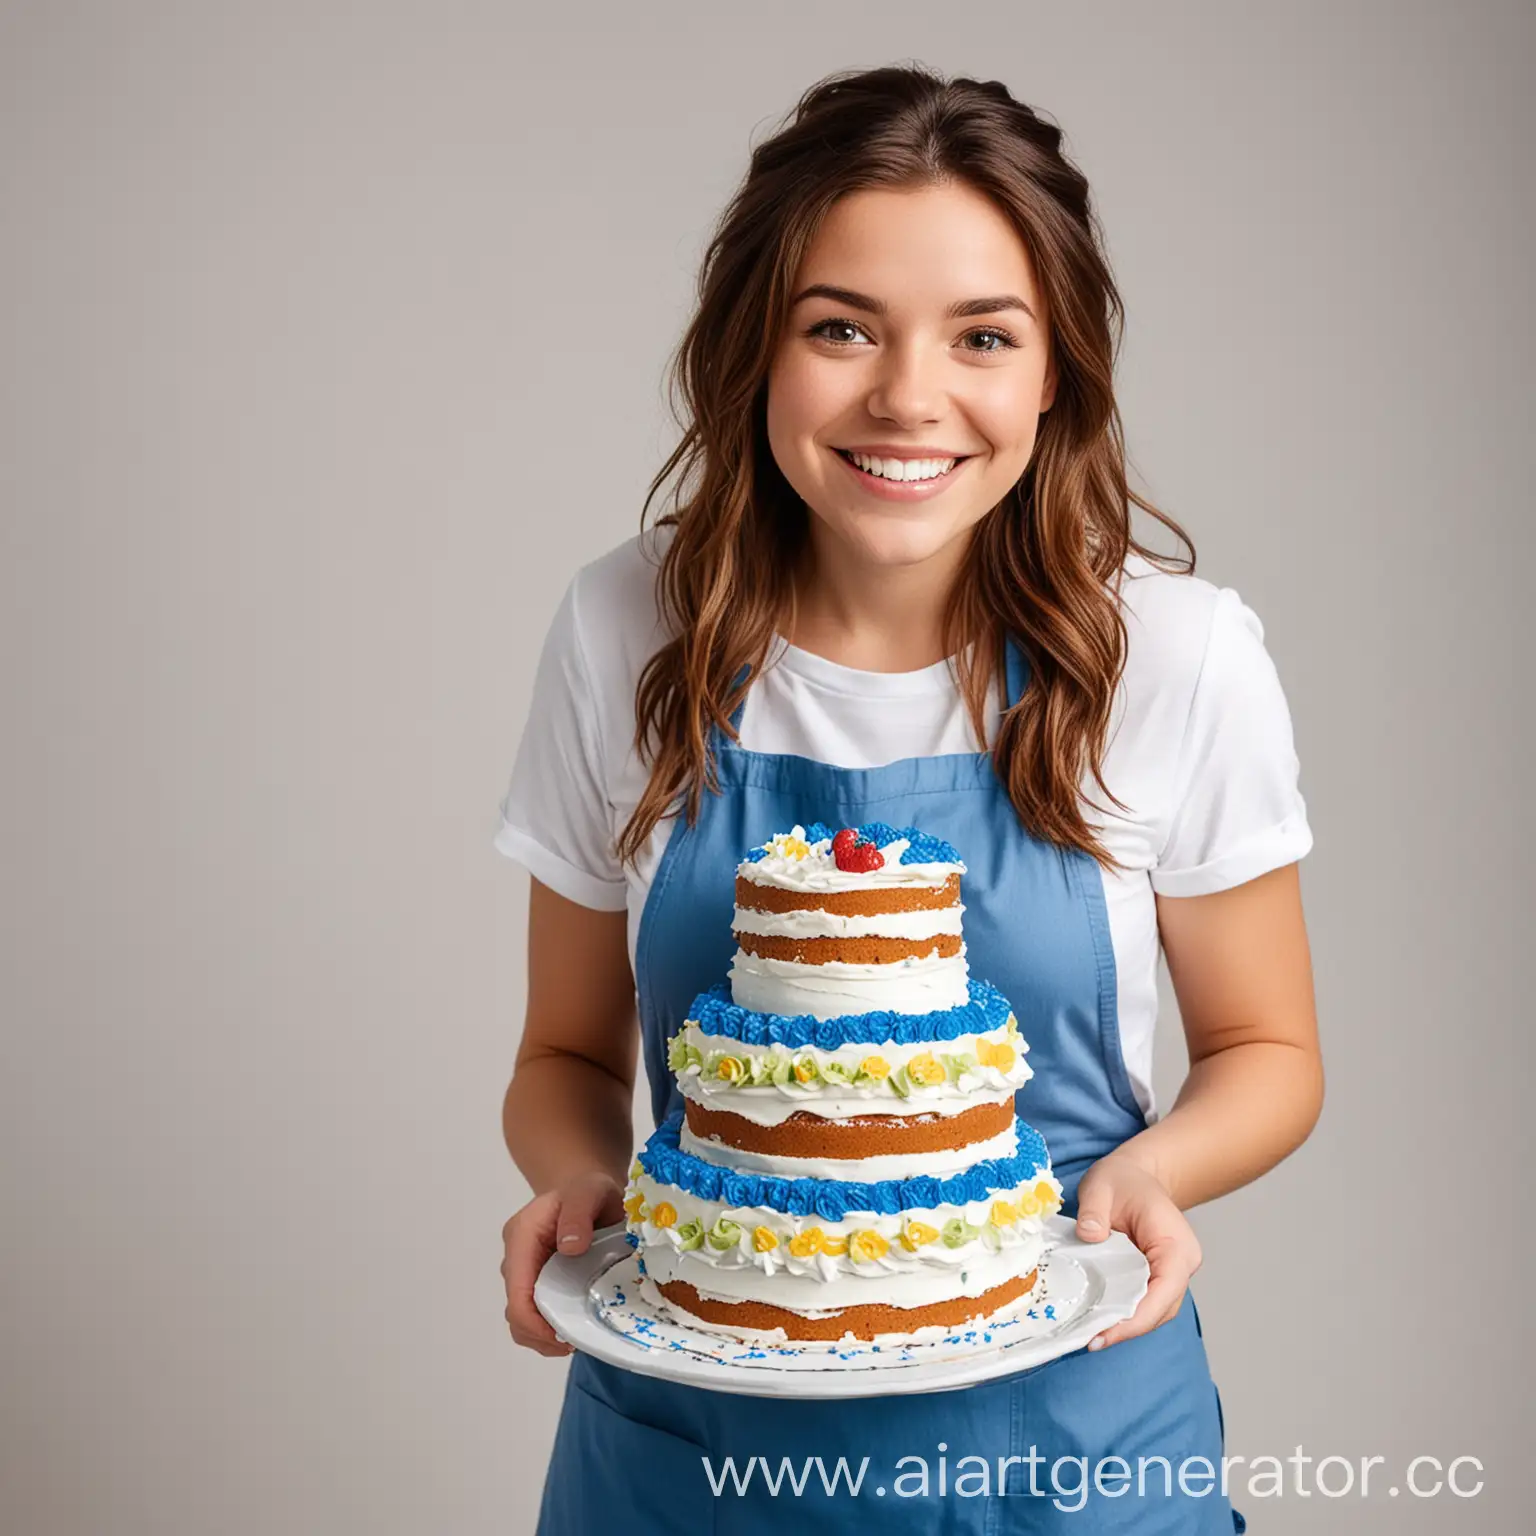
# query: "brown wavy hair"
{"points": [[1043, 565]]}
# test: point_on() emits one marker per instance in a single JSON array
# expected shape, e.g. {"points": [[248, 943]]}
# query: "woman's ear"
{"points": [[1048, 388]]}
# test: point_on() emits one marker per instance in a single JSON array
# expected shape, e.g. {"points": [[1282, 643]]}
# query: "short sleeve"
{"points": [[1236, 808], [555, 815]]}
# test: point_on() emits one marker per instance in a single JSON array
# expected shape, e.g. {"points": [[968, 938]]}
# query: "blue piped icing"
{"points": [[923, 850], [715, 1014], [833, 1199]]}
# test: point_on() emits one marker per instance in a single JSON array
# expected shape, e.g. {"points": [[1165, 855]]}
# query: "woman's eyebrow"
{"points": [[960, 309]]}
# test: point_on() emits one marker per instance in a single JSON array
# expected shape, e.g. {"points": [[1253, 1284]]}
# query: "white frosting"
{"points": [[817, 870], [929, 1333], [774, 1105], [813, 923], [911, 1285], [792, 988], [892, 1165]]}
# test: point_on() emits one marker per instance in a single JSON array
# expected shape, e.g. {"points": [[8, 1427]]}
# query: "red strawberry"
{"points": [[853, 855], [862, 858]]}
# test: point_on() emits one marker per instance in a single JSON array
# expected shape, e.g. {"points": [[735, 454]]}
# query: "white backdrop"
{"points": [[332, 343]]}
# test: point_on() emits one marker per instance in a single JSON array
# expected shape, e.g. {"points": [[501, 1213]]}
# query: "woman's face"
{"points": [[888, 363]]}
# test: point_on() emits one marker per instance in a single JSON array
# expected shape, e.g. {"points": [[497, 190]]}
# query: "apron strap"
{"points": [[736, 714], [1017, 673]]}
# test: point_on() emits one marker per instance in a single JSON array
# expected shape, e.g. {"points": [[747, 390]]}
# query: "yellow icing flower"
{"points": [[868, 1244], [804, 1244], [997, 1053], [634, 1207], [834, 1244], [730, 1069], [1029, 1204], [1003, 1213], [805, 1069], [764, 1238], [664, 1215], [1012, 1026], [788, 846], [925, 1068], [1045, 1193], [875, 1066], [636, 1168], [916, 1233]]}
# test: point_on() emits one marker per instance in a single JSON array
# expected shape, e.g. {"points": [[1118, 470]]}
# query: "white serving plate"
{"points": [[594, 1302]]}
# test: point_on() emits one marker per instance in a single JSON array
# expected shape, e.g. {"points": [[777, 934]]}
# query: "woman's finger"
{"points": [[590, 1202], [1160, 1305], [529, 1239], [1095, 1205], [1172, 1263]]}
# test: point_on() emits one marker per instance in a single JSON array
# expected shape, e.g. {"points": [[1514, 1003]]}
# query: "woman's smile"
{"points": [[891, 489]]}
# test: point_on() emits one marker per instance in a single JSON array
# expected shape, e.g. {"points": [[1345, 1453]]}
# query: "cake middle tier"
{"points": [[923, 1093]]}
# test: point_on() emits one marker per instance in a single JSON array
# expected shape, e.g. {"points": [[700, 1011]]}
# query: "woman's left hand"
{"points": [[1117, 1194]]}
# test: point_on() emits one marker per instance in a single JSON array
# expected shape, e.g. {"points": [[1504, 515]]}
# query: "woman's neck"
{"points": [[873, 618]]}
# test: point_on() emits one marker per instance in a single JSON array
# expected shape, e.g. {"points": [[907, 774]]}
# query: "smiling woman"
{"points": [[899, 585], [910, 275]]}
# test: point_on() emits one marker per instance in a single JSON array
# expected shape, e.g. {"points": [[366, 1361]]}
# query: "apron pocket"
{"points": [[609, 1472]]}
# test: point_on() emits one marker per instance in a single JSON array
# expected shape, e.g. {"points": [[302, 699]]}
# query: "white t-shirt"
{"points": [[1200, 751]]}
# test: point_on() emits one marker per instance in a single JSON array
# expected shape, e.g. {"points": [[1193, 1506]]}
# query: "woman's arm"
{"points": [[568, 1108], [1242, 971], [567, 1115], [1243, 975]]}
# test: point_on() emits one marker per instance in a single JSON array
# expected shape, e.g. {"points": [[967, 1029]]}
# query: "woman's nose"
{"points": [[908, 389]]}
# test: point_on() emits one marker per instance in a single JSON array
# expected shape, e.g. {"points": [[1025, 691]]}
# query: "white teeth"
{"points": [[903, 469]]}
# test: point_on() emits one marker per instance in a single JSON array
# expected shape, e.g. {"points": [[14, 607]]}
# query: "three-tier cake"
{"points": [[849, 1162]]}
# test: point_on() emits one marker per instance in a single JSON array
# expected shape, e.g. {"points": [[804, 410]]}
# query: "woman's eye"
{"points": [[1006, 341], [822, 326]]}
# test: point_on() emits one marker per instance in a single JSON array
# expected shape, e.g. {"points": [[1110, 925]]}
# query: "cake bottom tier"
{"points": [[866, 1321]]}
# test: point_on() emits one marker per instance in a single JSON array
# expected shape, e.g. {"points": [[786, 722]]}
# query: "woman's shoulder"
{"points": [[572, 770], [624, 575], [1183, 631], [604, 629], [612, 601], [1168, 617], [1204, 742]]}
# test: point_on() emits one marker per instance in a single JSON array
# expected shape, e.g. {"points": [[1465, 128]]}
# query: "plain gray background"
{"points": [[332, 343]]}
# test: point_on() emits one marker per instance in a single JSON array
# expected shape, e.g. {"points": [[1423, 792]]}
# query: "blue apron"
{"points": [[630, 1450]]}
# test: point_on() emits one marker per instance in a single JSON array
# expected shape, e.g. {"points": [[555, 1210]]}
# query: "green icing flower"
{"points": [[762, 1070], [958, 1232], [725, 1234], [783, 1071], [899, 1084], [690, 1234], [835, 1072], [681, 1055], [722, 1066], [957, 1063]]}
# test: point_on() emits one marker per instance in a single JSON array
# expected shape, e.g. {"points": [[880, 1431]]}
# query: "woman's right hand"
{"points": [[563, 1218]]}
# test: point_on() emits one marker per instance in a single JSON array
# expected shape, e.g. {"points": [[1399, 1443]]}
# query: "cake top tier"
{"points": [[823, 858]]}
